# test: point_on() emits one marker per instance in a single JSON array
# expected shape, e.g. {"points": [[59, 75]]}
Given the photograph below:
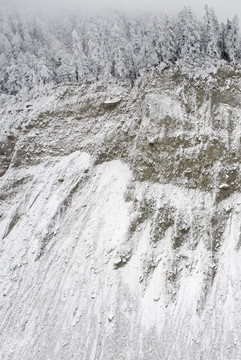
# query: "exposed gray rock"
{"points": [[120, 226]]}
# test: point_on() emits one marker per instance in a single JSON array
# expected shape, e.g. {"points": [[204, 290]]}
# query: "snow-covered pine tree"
{"points": [[122, 58], [168, 41], [152, 42], [80, 62], [136, 34], [189, 37], [210, 35], [231, 40]]}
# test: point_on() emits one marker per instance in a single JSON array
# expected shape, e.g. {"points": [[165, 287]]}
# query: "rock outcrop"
{"points": [[120, 224]]}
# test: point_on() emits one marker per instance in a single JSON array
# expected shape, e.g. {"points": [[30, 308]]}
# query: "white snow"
{"points": [[88, 269]]}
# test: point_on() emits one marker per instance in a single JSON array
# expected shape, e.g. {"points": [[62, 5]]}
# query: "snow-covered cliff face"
{"points": [[120, 221]]}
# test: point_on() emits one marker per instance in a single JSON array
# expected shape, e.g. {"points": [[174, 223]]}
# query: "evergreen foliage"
{"points": [[35, 51]]}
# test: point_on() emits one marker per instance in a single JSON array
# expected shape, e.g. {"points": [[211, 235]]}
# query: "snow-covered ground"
{"points": [[120, 235]]}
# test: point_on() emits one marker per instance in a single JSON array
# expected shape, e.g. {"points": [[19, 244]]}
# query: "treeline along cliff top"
{"points": [[40, 50]]}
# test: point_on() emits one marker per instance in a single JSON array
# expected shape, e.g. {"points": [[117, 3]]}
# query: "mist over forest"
{"points": [[36, 50]]}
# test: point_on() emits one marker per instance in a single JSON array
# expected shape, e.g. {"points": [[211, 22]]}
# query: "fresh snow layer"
{"points": [[76, 283], [120, 224]]}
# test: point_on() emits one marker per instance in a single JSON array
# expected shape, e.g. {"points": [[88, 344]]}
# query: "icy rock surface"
{"points": [[120, 225]]}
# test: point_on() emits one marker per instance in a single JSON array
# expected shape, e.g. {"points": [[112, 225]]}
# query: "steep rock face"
{"points": [[120, 221]]}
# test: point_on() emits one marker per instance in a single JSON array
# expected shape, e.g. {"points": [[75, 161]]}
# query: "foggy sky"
{"points": [[223, 9]]}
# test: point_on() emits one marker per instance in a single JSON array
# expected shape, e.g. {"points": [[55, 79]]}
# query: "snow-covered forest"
{"points": [[38, 50]]}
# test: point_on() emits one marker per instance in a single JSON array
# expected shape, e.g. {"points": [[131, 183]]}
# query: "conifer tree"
{"points": [[210, 40], [168, 41], [188, 35]]}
